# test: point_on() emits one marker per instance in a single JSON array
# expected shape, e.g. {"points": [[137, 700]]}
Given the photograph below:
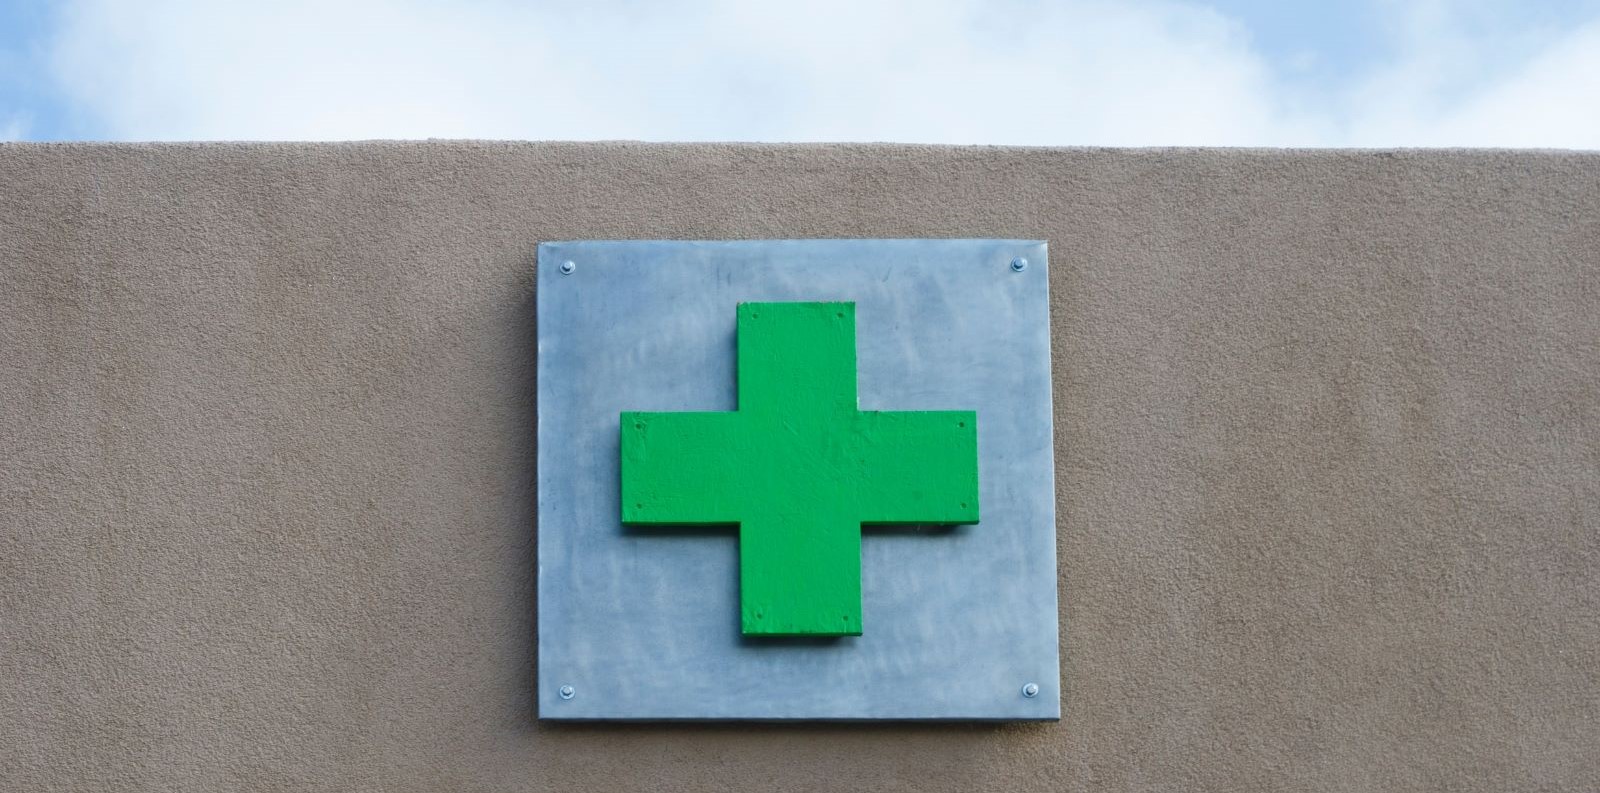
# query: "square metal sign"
{"points": [[796, 479]]}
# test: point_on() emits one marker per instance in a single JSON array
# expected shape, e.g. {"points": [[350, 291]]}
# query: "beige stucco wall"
{"points": [[1327, 448]]}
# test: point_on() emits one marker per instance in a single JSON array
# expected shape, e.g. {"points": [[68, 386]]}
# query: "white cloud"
{"points": [[1553, 101], [945, 71], [1547, 97]]}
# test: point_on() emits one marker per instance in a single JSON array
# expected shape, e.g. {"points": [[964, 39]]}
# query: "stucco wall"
{"points": [[1327, 448]]}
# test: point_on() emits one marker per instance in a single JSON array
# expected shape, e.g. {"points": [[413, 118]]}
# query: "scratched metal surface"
{"points": [[644, 623]]}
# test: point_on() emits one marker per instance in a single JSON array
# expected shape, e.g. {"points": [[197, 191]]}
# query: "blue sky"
{"points": [[1236, 73]]}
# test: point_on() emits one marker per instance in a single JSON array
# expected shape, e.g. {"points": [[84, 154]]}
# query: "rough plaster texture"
{"points": [[1327, 435]]}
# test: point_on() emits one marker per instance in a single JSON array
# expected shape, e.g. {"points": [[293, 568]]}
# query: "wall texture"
{"points": [[1328, 462]]}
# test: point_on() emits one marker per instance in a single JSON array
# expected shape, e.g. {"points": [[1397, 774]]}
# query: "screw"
{"points": [[567, 692], [1030, 690], [567, 268], [1019, 264]]}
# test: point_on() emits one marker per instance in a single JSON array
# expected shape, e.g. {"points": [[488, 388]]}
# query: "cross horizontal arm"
{"points": [[919, 467], [680, 468]]}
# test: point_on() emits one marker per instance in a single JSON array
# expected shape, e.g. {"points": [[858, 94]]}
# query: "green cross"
{"points": [[799, 468]]}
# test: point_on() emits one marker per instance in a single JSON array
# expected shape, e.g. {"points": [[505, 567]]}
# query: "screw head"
{"points": [[568, 692], [1030, 690], [1019, 264], [567, 268]]}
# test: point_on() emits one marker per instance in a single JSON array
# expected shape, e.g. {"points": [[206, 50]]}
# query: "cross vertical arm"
{"points": [[800, 573], [798, 359]]}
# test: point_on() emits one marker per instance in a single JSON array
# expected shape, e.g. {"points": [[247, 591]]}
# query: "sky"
{"points": [[1366, 73]]}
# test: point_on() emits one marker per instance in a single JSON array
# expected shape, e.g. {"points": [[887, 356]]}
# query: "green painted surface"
{"points": [[799, 468]]}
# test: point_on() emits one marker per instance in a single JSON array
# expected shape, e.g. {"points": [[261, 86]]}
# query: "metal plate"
{"points": [[636, 623]]}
